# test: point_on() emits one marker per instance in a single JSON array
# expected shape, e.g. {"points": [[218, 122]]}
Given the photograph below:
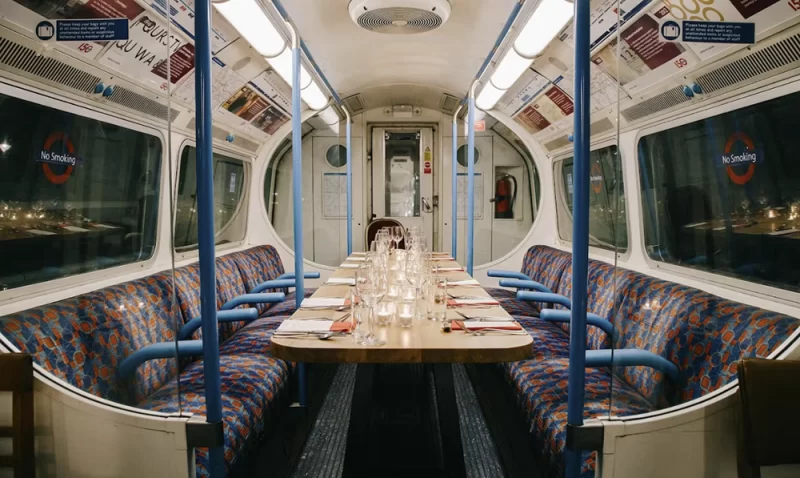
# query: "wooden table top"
{"points": [[424, 342]]}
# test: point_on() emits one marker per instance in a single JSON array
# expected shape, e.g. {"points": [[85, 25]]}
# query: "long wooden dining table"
{"points": [[426, 342]]}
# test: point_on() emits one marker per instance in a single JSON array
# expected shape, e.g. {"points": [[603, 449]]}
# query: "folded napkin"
{"points": [[324, 302], [456, 325], [359, 254], [463, 282], [458, 302], [341, 281], [305, 326], [350, 266], [451, 269], [356, 259]]}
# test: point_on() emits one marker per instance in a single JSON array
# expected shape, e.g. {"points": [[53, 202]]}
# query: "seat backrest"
{"points": [[768, 419], [16, 376], [82, 340], [258, 265], [378, 224]]}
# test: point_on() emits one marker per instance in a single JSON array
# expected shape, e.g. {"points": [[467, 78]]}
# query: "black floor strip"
{"points": [[323, 455]]}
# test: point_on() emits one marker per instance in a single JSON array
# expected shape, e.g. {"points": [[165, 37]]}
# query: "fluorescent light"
{"points": [[253, 24], [313, 96], [489, 96], [329, 116], [510, 69], [546, 22], [283, 65]]}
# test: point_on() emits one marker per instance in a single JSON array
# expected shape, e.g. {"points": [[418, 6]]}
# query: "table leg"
{"points": [[448, 420], [356, 460]]}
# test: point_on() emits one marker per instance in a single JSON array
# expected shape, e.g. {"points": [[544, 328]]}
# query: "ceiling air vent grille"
{"points": [[449, 103], [143, 104], [557, 143], [354, 103], [600, 126], [660, 102], [779, 55], [399, 20], [24, 59]]}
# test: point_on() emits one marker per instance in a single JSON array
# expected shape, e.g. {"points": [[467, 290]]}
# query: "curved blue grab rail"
{"points": [[544, 297], [185, 348], [249, 299], [525, 284], [222, 316], [291, 275], [552, 315], [631, 358], [274, 284], [507, 274]]}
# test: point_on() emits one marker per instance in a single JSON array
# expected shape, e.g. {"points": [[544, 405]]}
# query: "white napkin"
{"points": [[350, 266], [305, 326], [451, 268], [323, 302], [342, 280], [357, 259], [358, 254], [487, 300], [463, 282]]}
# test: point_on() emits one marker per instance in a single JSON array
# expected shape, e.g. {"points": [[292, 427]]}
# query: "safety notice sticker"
{"points": [[692, 31], [100, 29]]}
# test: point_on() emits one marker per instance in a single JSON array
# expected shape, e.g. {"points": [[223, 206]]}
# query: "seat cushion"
{"points": [[255, 337], [508, 301], [250, 385], [541, 387]]}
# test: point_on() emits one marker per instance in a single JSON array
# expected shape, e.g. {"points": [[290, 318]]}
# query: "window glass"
{"points": [[76, 194], [607, 217], [723, 194], [228, 194]]}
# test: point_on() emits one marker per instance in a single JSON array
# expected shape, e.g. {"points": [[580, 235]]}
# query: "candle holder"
{"points": [[384, 312]]}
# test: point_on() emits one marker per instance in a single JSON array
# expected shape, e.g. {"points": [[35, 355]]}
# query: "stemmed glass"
{"points": [[371, 287], [397, 235]]}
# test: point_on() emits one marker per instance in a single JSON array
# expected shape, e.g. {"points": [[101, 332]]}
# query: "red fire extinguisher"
{"points": [[505, 194]]}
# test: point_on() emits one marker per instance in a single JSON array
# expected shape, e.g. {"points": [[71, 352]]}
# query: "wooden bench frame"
{"points": [[16, 376]]}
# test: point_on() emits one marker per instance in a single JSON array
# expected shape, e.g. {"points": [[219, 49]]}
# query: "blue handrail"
{"points": [[525, 284], [470, 178], [545, 297], [507, 274], [631, 358], [205, 219], [222, 316], [159, 350], [249, 299], [580, 229], [552, 315], [274, 284]]}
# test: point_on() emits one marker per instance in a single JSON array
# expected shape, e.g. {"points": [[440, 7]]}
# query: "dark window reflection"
{"points": [[76, 194], [723, 194], [607, 217]]}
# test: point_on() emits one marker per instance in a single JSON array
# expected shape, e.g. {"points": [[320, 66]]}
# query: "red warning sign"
{"points": [[428, 161], [480, 125]]}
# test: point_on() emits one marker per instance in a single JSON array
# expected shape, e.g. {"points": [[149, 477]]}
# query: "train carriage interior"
{"points": [[396, 238]]}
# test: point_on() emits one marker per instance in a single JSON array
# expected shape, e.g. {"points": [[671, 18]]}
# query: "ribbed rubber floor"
{"points": [[323, 455]]}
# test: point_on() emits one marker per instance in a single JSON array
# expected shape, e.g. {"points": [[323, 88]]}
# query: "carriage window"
{"points": [[723, 194], [607, 218], [228, 194], [76, 194]]}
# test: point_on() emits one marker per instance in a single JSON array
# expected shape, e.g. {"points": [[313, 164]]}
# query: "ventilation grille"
{"points": [[781, 54], [448, 103], [24, 59], [402, 20], [142, 104], [354, 103], [557, 143], [665, 100], [601, 126]]}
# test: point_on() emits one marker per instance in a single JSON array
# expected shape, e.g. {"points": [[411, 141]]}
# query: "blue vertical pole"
{"points": [[580, 232], [348, 137], [297, 194], [454, 195], [205, 226], [470, 177]]}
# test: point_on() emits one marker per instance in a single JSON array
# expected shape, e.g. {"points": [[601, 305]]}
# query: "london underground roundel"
{"points": [[740, 151], [67, 160]]}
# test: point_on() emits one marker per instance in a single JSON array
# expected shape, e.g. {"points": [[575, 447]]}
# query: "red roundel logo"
{"points": [[58, 178], [750, 151]]}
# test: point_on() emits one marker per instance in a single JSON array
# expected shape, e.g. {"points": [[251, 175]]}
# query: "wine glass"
{"points": [[371, 287], [397, 235]]}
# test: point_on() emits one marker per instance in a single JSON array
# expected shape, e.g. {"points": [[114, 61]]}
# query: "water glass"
{"points": [[437, 302], [360, 320], [406, 309]]}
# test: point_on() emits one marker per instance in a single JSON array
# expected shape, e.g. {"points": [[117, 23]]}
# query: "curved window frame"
{"points": [[72, 106], [478, 155], [561, 200], [759, 93], [191, 250]]}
